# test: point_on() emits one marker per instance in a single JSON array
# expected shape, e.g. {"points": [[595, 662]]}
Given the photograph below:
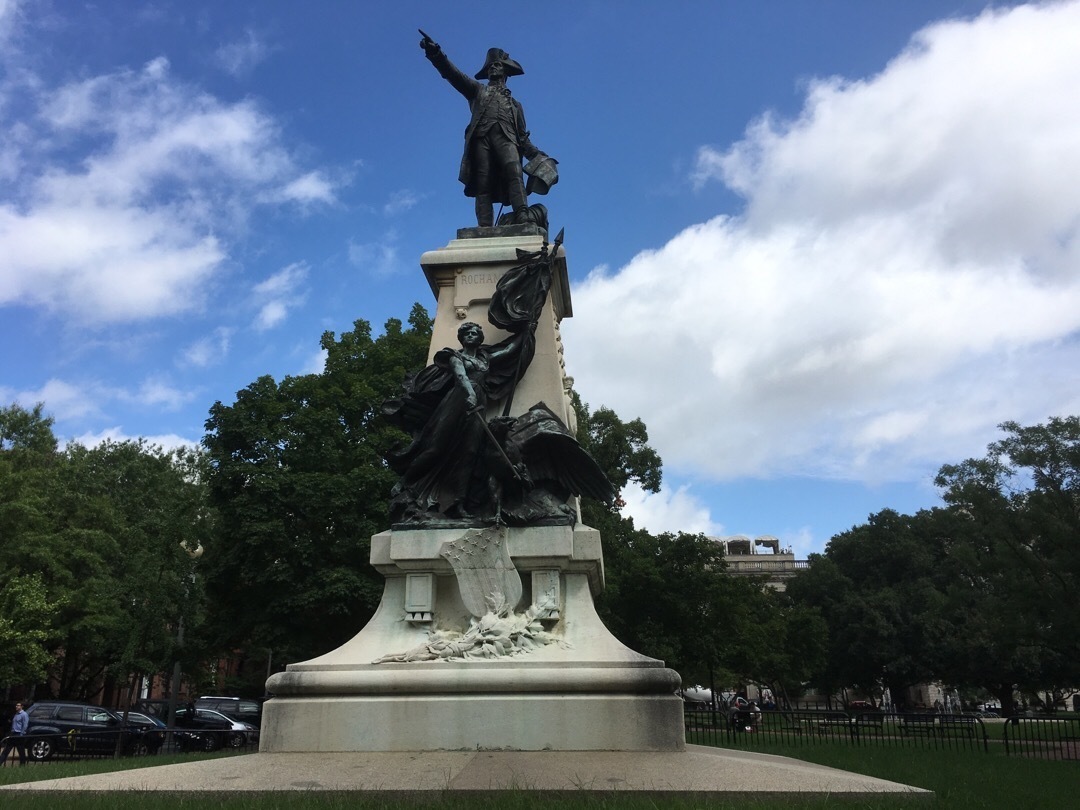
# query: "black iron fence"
{"points": [[1044, 737], [37, 747]]}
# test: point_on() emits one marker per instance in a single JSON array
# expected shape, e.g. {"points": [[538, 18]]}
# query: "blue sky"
{"points": [[821, 248]]}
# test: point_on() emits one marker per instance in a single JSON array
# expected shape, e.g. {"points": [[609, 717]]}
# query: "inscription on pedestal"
{"points": [[478, 278]]}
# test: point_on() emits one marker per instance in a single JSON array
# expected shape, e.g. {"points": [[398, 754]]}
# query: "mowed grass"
{"points": [[959, 779]]}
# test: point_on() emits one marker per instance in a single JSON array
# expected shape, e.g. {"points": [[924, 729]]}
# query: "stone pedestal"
{"points": [[463, 276], [565, 684], [585, 692]]}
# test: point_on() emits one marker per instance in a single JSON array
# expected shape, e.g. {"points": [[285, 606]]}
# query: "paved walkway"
{"points": [[698, 770]]}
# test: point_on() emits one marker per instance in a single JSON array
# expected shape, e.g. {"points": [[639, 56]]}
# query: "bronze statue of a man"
{"points": [[496, 139]]}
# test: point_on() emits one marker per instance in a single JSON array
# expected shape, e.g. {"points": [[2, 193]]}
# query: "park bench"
{"points": [[833, 724], [868, 723], [959, 726], [920, 724]]}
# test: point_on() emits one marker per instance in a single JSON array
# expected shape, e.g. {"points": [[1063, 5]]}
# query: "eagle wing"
{"points": [[551, 453]]}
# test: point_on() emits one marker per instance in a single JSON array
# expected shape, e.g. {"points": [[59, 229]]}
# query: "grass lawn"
{"points": [[959, 779]]}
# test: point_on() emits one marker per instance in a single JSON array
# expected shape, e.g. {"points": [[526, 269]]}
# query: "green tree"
{"points": [[1014, 545], [620, 448], [783, 644], [28, 458], [26, 433], [982, 594], [100, 531], [299, 484], [665, 596], [124, 512], [874, 587], [26, 622]]}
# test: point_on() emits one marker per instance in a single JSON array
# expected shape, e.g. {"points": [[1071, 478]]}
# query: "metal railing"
{"points": [[764, 564], [743, 728], [1043, 737]]}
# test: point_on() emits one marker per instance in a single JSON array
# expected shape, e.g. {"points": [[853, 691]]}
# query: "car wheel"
{"points": [[185, 742], [210, 742], [140, 749], [237, 740], [41, 750]]}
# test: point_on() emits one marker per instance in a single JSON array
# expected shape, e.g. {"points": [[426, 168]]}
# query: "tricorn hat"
{"points": [[543, 174], [499, 55]]}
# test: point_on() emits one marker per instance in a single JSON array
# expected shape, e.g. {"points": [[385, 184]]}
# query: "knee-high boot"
{"points": [[485, 211]]}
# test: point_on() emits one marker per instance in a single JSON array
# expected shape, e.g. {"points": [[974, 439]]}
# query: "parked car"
{"points": [[211, 730], [153, 728], [141, 719], [79, 729], [242, 709], [862, 706]]}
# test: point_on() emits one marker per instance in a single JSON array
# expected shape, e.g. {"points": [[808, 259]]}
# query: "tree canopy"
{"points": [[299, 485], [93, 575], [981, 594]]}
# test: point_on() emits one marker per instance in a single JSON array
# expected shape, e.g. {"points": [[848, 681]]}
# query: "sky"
{"points": [[819, 248]]}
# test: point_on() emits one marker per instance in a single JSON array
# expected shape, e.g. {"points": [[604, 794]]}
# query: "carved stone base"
{"points": [[580, 689]]}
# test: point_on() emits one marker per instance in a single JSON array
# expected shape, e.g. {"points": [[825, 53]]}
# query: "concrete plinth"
{"points": [[584, 690], [486, 722]]}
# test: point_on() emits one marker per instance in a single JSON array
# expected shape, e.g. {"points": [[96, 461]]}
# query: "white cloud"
{"points": [[380, 258], [904, 276], [401, 201], [283, 282], [126, 189], [801, 542], [209, 350], [313, 187], [678, 511], [10, 17], [278, 294], [67, 401], [316, 363], [270, 315], [166, 441], [62, 400], [156, 392], [240, 57]]}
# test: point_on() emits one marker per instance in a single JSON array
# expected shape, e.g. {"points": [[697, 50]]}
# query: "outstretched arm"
{"points": [[447, 69]]}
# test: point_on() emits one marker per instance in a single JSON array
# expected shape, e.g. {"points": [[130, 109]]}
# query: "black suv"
{"points": [[79, 730]]}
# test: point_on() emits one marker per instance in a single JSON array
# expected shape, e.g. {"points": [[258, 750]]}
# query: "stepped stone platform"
{"points": [[696, 771]]}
